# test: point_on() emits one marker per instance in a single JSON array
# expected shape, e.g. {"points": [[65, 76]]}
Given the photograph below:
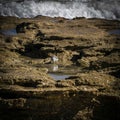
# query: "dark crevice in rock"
{"points": [[29, 84], [107, 52], [77, 48], [76, 57], [21, 28], [8, 94], [102, 65], [33, 51], [43, 36], [107, 109], [115, 73], [57, 38], [8, 40], [40, 36]]}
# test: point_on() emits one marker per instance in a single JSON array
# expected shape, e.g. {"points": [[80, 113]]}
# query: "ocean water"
{"points": [[106, 9]]}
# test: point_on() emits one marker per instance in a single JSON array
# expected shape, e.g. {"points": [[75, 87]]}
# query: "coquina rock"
{"points": [[28, 92]]}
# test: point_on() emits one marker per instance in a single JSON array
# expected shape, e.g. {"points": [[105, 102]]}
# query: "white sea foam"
{"points": [[69, 9]]}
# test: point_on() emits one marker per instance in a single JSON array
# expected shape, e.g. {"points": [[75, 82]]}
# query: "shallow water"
{"points": [[9, 32], [57, 76], [115, 32], [58, 72], [61, 72]]}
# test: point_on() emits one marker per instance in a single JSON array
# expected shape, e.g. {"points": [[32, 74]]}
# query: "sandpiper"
{"points": [[54, 59]]}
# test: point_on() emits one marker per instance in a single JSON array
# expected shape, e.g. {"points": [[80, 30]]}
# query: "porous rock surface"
{"points": [[28, 92]]}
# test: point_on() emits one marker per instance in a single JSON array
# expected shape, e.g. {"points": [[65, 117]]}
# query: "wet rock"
{"points": [[93, 78], [29, 92], [84, 62], [65, 83], [13, 103], [22, 76], [110, 64]]}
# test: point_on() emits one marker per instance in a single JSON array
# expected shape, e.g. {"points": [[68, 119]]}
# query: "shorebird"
{"points": [[54, 59]]}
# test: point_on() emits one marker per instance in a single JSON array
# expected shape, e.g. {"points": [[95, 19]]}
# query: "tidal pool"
{"points": [[62, 72], [9, 32], [57, 76], [58, 72], [115, 32]]}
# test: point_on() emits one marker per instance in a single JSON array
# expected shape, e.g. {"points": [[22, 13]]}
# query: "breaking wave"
{"points": [[108, 9]]}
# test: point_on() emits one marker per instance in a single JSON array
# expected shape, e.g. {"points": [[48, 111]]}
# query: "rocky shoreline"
{"points": [[27, 48]]}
